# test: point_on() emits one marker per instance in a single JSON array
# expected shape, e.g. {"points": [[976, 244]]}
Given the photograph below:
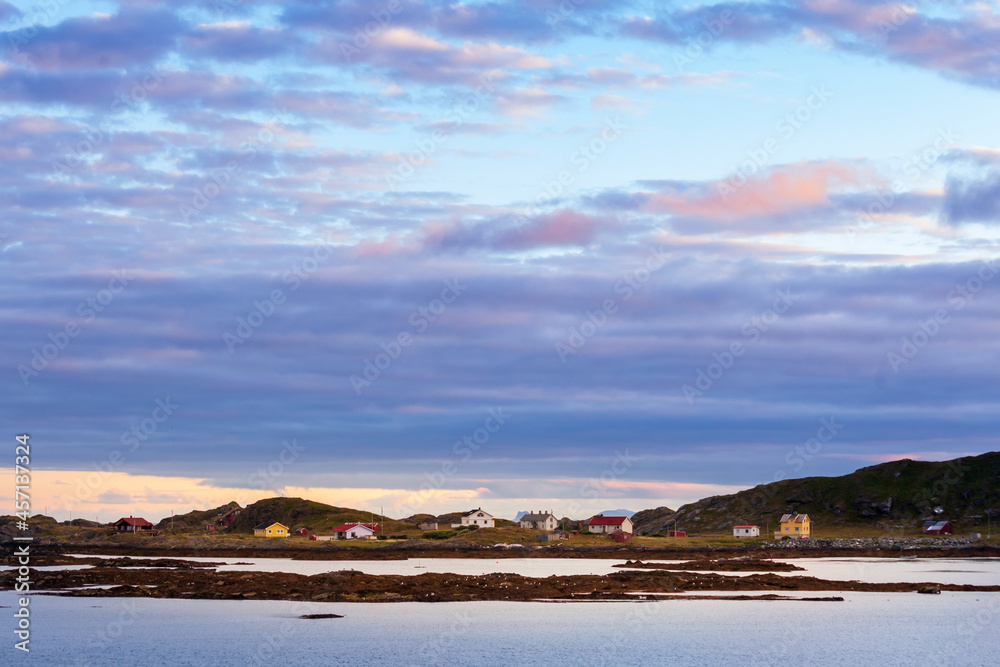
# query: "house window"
{"points": [[796, 529]]}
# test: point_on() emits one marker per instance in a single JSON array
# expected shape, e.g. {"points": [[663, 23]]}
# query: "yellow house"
{"points": [[795, 526], [271, 530]]}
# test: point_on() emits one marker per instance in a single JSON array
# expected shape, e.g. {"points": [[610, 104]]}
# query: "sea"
{"points": [[952, 628]]}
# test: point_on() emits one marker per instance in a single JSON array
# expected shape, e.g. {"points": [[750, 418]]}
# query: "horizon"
{"points": [[575, 505], [419, 255]]}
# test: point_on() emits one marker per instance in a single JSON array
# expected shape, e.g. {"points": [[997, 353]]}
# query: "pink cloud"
{"points": [[778, 192], [561, 228]]}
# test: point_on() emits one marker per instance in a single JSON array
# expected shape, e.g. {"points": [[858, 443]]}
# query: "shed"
{"points": [[937, 528]]}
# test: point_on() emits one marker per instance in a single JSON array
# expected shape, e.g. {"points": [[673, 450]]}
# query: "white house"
{"points": [[746, 531], [477, 517], [609, 524], [539, 521], [355, 531]]}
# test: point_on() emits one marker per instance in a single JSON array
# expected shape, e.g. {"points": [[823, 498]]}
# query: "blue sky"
{"points": [[258, 248]]}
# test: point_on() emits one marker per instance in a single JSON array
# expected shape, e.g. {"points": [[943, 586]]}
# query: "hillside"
{"points": [[297, 513], [653, 522], [195, 519], [898, 493]]}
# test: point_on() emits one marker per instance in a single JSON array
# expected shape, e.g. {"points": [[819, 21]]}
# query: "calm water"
{"points": [[866, 629], [979, 571]]}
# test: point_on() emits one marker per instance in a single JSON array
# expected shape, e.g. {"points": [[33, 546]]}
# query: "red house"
{"points": [[621, 536], [609, 524], [229, 517], [134, 525], [937, 528], [302, 531]]}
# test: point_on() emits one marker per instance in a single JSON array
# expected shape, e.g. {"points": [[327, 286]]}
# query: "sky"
{"points": [[418, 256]]}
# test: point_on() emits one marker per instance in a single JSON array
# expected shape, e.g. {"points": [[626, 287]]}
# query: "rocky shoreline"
{"points": [[734, 565], [186, 580], [141, 546]]}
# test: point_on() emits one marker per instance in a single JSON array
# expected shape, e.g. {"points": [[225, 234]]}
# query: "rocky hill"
{"points": [[900, 493], [653, 521]]}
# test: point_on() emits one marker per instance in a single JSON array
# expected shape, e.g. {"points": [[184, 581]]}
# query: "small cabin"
{"points": [[746, 531], [134, 525], [937, 528], [271, 530]]}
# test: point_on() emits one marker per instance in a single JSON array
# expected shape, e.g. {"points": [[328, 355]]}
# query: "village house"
{"points": [[134, 525], [355, 531], [539, 521], [605, 525], [795, 526], [937, 528], [273, 529], [429, 524], [619, 535], [225, 519], [476, 517], [746, 531]]}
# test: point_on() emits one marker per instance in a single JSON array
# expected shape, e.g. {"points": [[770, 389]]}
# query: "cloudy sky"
{"points": [[519, 254]]}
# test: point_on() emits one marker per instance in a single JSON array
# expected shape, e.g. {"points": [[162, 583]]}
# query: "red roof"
{"points": [[138, 522], [601, 520], [745, 526], [343, 528]]}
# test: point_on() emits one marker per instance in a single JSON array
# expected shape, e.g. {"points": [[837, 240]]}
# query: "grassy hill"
{"points": [[899, 494], [298, 513], [194, 520]]}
